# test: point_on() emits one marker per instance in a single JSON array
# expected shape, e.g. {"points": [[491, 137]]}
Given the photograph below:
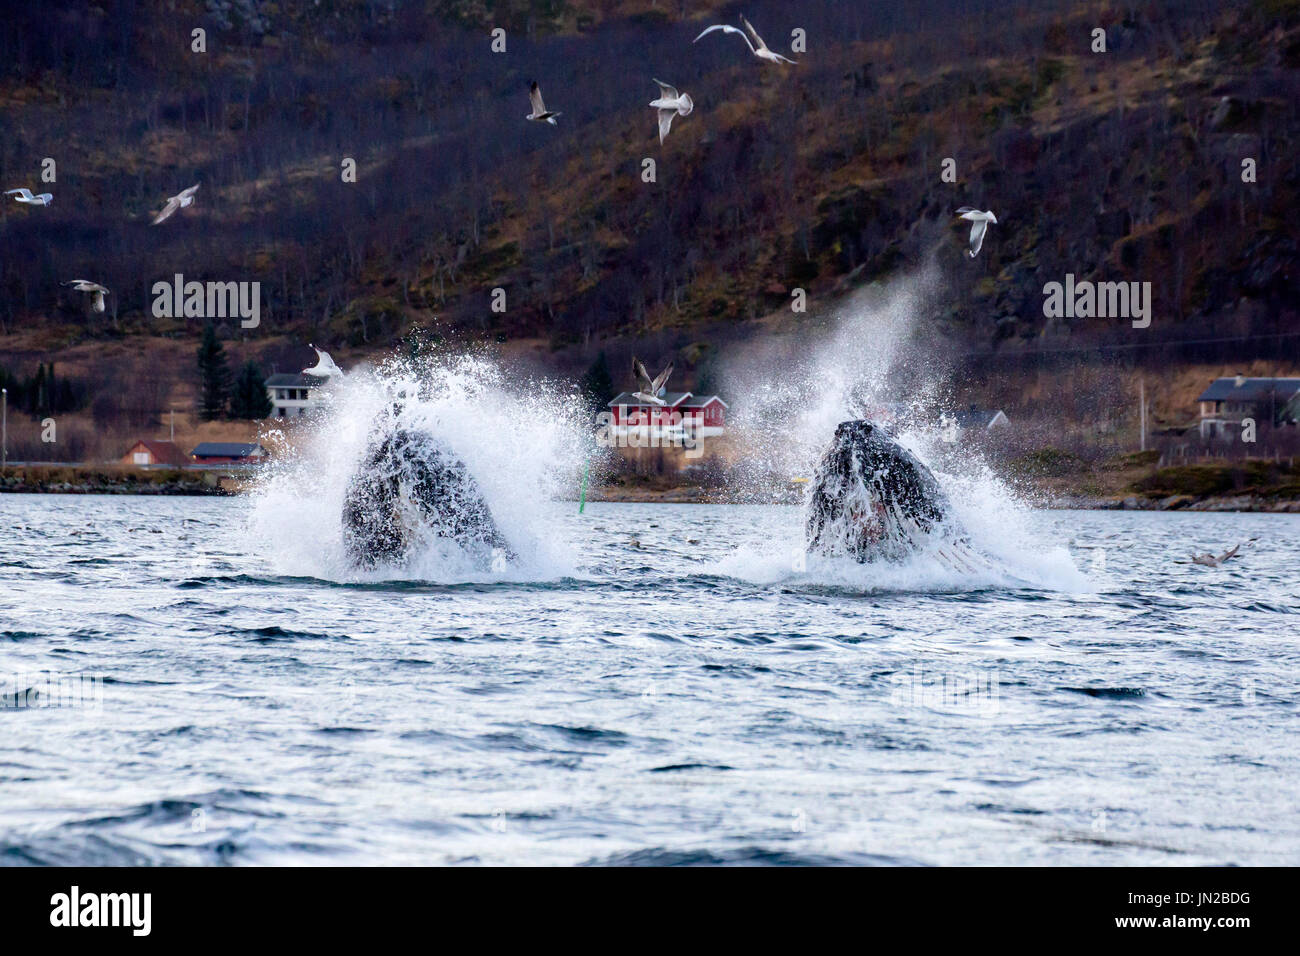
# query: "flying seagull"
{"points": [[758, 47], [25, 195], [85, 285], [540, 113], [182, 199], [979, 223], [670, 104], [324, 367], [1208, 560], [649, 391]]}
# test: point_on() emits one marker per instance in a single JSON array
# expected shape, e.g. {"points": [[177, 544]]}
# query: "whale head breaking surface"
{"points": [[874, 500], [411, 489]]}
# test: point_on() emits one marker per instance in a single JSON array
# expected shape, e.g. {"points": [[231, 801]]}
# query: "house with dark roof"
{"points": [[1228, 401], [294, 395], [682, 414], [228, 453], [147, 453]]}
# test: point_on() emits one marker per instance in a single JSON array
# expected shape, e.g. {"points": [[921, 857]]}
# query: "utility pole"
{"points": [[1142, 417]]}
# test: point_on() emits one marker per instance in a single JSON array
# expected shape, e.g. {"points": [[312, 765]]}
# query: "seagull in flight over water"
{"points": [[85, 285], [758, 47], [979, 223], [670, 104], [649, 391], [540, 113], [1208, 560], [25, 196], [182, 199]]}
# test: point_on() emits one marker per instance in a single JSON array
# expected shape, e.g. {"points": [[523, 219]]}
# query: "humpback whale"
{"points": [[874, 500], [410, 488]]}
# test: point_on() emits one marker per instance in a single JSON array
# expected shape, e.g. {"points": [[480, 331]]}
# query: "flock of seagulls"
{"points": [[670, 102], [182, 199]]}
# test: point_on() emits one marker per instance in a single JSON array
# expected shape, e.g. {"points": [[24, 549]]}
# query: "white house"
{"points": [[293, 396]]}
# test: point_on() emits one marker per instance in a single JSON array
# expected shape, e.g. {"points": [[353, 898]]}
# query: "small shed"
{"points": [[147, 453]]}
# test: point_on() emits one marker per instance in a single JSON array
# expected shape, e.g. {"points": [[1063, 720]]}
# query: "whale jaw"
{"points": [[872, 499]]}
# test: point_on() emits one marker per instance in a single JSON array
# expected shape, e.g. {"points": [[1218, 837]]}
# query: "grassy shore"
{"points": [[1131, 482], [110, 480]]}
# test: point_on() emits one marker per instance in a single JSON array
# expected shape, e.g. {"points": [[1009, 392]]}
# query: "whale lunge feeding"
{"points": [[874, 500], [409, 490]]}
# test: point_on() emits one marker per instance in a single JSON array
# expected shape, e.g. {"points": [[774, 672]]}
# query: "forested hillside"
{"points": [[1122, 165]]}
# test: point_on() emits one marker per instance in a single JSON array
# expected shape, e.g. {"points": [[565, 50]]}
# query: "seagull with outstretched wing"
{"points": [[650, 391], [757, 47], [979, 225], [25, 196], [182, 199], [85, 285], [1208, 560], [540, 113], [669, 104]]}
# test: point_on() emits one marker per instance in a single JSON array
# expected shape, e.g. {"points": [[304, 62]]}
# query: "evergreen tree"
{"points": [[214, 377], [249, 399], [597, 385]]}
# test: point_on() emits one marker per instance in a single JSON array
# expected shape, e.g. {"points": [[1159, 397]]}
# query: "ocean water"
{"points": [[653, 684]]}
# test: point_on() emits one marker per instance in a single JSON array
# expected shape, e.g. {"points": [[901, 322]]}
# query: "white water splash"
{"points": [[522, 448], [876, 359]]}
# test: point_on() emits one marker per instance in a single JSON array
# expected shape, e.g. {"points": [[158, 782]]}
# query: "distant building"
{"points": [[155, 454], [1229, 400], [228, 453], [683, 414], [293, 396]]}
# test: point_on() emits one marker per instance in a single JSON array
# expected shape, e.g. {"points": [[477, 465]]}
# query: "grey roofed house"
{"points": [[294, 380], [1254, 390], [1230, 400], [227, 451]]}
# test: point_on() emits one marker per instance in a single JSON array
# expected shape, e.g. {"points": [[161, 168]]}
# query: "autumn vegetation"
{"points": [[1121, 166]]}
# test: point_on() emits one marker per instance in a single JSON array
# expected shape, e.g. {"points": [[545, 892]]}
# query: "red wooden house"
{"points": [[703, 416], [147, 453]]}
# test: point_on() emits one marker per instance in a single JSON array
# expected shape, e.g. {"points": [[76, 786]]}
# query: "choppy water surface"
{"points": [[668, 685]]}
